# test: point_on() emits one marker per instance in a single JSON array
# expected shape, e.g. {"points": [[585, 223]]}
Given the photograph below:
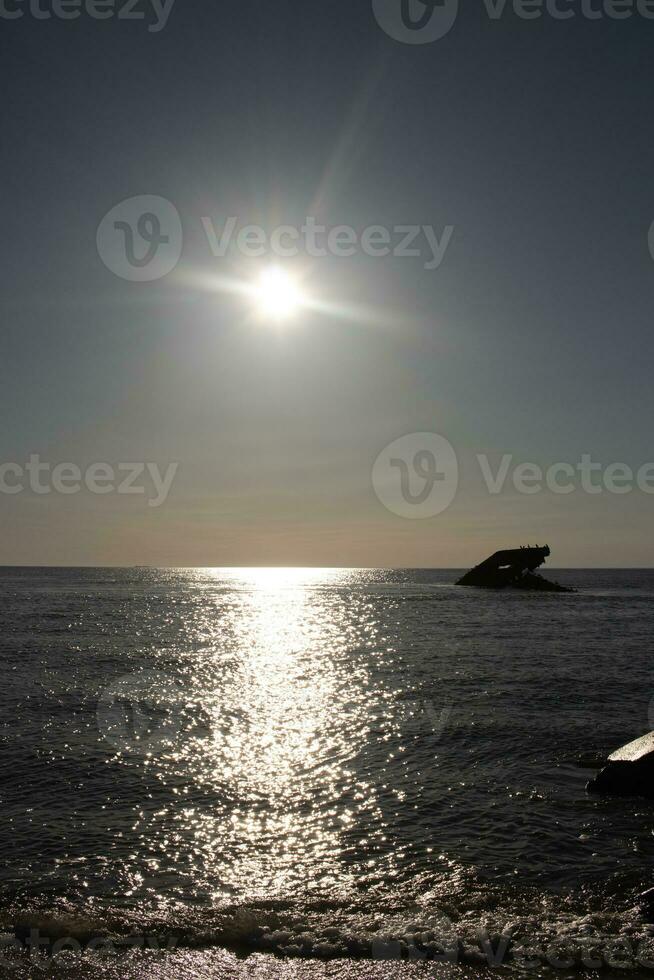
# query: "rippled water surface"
{"points": [[322, 762]]}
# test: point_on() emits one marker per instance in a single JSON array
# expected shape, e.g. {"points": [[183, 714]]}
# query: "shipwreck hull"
{"points": [[513, 568]]}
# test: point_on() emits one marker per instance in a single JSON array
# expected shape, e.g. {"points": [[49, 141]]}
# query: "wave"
{"points": [[478, 927]]}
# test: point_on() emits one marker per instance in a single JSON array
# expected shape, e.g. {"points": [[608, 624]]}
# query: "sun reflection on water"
{"points": [[267, 786]]}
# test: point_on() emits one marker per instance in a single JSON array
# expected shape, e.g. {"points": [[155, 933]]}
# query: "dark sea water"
{"points": [[375, 768]]}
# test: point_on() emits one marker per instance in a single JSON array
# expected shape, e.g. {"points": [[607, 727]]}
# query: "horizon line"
{"points": [[360, 568]]}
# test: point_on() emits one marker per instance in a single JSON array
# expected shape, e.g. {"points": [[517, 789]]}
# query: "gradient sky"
{"points": [[534, 337]]}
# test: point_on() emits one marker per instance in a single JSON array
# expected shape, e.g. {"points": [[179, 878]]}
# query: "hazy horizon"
{"points": [[371, 568], [485, 274]]}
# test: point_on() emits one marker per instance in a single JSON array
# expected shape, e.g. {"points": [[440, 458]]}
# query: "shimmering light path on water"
{"points": [[304, 759]]}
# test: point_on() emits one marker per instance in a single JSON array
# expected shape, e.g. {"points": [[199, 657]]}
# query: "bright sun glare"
{"points": [[277, 294]]}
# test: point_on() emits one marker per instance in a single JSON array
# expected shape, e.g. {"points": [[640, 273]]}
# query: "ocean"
{"points": [[320, 773]]}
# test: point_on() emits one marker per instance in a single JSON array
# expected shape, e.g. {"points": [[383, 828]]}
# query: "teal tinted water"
{"points": [[322, 762]]}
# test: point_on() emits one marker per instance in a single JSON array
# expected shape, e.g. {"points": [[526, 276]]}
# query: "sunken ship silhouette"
{"points": [[515, 568]]}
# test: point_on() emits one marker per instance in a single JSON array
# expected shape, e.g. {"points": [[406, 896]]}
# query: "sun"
{"points": [[277, 294]]}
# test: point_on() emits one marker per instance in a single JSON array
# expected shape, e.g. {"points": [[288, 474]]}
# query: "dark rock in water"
{"points": [[514, 568], [630, 771]]}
